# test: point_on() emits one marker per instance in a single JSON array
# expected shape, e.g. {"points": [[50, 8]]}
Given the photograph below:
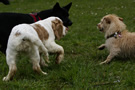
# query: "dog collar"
{"points": [[35, 17], [114, 35]]}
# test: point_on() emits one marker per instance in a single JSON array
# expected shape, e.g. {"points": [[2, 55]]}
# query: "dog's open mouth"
{"points": [[101, 29]]}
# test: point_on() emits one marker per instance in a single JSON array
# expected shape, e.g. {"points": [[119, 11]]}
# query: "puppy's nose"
{"points": [[98, 25]]}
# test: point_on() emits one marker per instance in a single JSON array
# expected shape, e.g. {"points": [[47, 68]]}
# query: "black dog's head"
{"points": [[6, 2], [62, 13]]}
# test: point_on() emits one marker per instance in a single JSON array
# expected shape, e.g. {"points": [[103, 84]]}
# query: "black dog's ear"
{"points": [[67, 7], [56, 6]]}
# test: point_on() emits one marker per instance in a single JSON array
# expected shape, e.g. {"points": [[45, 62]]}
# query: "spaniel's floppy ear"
{"points": [[108, 20], [58, 34], [56, 21], [57, 28]]}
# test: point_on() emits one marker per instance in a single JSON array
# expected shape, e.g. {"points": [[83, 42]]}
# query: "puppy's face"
{"points": [[104, 24], [59, 29], [112, 22]]}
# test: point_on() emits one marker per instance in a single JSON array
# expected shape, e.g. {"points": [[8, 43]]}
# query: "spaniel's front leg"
{"points": [[60, 55], [55, 48]]}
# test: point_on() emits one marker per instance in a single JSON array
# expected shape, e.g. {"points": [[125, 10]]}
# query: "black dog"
{"points": [[9, 20], [6, 2]]}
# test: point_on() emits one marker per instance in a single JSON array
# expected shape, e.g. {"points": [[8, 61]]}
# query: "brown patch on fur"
{"points": [[108, 21], [57, 26], [17, 33], [42, 32], [121, 19]]}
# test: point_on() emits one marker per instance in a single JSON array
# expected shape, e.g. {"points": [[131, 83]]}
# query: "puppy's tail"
{"points": [[36, 41]]}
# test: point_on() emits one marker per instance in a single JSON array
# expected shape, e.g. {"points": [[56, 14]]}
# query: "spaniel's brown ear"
{"points": [[56, 21], [57, 35], [57, 28], [121, 19], [60, 30], [108, 20]]}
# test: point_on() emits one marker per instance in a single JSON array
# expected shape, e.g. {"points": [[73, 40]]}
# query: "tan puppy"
{"points": [[119, 41]]}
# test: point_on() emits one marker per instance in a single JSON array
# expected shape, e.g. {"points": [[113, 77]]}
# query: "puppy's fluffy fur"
{"points": [[119, 41], [35, 39]]}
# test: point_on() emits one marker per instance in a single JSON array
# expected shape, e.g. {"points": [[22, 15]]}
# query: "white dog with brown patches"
{"points": [[35, 39], [119, 41]]}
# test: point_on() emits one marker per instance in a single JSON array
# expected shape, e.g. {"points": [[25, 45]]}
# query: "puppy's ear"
{"points": [[108, 20], [67, 7], [121, 19]]}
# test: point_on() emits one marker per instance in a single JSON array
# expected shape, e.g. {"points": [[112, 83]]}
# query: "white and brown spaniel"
{"points": [[35, 39]]}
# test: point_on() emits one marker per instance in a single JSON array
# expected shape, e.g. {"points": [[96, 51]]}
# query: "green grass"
{"points": [[80, 69]]}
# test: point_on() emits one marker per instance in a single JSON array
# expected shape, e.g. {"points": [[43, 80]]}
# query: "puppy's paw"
{"points": [[102, 63], [101, 47]]}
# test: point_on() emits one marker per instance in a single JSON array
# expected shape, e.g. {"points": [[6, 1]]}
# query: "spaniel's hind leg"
{"points": [[11, 58], [42, 61], [35, 57]]}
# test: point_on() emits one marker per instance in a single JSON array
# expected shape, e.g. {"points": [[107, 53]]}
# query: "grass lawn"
{"points": [[80, 69]]}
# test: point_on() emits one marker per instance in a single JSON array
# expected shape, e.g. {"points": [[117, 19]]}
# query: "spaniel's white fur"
{"points": [[35, 39]]}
